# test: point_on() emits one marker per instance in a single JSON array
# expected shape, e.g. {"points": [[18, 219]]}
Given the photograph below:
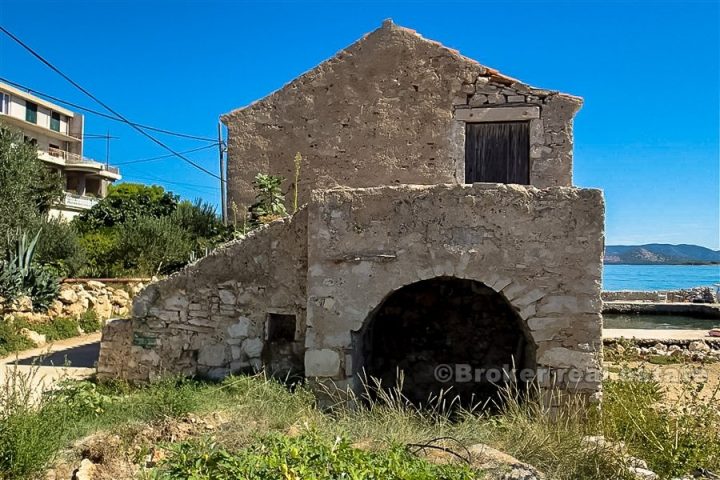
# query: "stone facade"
{"points": [[333, 263], [402, 265], [210, 318], [391, 109]]}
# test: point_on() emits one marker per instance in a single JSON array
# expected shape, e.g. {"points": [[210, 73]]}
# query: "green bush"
{"points": [[149, 246], [305, 456], [101, 247], [10, 339], [200, 220], [126, 202], [59, 328], [60, 248], [89, 321]]}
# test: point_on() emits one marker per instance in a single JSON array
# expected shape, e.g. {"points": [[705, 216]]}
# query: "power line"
{"points": [[190, 186], [104, 105], [101, 114], [143, 160]]}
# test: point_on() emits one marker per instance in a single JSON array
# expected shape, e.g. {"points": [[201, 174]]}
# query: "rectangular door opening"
{"points": [[497, 152]]}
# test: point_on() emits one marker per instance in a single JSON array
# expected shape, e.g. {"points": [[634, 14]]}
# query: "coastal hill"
{"points": [[660, 254]]}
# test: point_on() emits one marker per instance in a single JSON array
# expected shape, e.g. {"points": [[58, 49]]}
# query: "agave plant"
{"points": [[20, 276]]}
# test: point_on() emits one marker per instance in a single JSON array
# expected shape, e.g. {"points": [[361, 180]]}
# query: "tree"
{"points": [[125, 202], [28, 189]]}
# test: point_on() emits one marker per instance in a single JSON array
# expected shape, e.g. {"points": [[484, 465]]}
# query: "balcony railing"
{"points": [[75, 159], [79, 201], [67, 157]]}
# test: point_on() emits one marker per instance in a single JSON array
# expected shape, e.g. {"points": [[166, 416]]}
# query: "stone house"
{"points": [[440, 229]]}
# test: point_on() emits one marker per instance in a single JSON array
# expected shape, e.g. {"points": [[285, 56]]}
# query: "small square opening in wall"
{"points": [[280, 327]]}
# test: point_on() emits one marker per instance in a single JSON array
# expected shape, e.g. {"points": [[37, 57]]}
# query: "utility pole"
{"points": [[107, 148], [223, 190]]}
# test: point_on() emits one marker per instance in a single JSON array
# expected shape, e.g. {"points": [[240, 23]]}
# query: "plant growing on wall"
{"points": [[269, 201]]}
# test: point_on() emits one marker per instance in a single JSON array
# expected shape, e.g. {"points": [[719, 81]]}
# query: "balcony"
{"points": [[66, 157], [77, 162], [79, 202]]}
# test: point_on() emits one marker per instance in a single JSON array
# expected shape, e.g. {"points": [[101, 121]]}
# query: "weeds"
{"points": [[272, 430], [675, 436], [306, 456]]}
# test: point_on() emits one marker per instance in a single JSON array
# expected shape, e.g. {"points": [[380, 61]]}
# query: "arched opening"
{"points": [[445, 334]]}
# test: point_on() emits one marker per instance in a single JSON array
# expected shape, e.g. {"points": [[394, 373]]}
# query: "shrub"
{"points": [[149, 246], [59, 328], [126, 202], [101, 247], [89, 321], [60, 248], [10, 339]]}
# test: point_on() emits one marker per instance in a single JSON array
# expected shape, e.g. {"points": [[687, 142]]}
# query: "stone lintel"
{"points": [[499, 114]]}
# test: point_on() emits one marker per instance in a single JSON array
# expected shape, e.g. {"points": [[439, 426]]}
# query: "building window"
{"points": [[31, 112], [280, 327], [30, 140], [55, 121], [4, 103]]}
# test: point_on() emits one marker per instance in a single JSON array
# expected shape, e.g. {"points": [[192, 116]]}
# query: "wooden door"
{"points": [[497, 152]]}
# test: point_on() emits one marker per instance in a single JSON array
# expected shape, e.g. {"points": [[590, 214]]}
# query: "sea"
{"points": [[659, 277]]}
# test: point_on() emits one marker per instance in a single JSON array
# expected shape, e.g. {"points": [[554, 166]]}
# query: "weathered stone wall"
{"points": [[541, 249], [333, 263], [391, 109], [209, 319]]}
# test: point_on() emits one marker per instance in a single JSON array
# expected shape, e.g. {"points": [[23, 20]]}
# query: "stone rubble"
{"points": [[76, 298], [707, 350]]}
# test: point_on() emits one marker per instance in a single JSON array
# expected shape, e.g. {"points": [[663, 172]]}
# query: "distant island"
{"points": [[660, 254]]}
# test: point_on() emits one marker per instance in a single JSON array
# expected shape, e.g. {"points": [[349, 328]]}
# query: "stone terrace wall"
{"points": [[541, 249], [390, 109], [209, 319]]}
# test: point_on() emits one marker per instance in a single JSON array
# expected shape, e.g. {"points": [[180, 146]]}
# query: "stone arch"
{"points": [[444, 322]]}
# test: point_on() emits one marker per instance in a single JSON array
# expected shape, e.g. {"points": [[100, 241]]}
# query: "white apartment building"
{"points": [[58, 134]]}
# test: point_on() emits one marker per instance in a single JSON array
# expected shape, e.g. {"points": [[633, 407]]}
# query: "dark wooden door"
{"points": [[497, 152]]}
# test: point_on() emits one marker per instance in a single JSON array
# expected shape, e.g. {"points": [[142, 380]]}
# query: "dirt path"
{"points": [[42, 368]]}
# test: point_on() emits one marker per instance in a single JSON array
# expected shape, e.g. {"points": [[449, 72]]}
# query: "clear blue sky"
{"points": [[647, 134]]}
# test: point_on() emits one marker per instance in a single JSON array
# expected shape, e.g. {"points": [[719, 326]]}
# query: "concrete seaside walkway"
{"points": [[656, 334], [697, 310]]}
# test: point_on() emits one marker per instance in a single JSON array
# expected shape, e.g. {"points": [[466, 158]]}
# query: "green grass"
{"points": [[268, 429]]}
